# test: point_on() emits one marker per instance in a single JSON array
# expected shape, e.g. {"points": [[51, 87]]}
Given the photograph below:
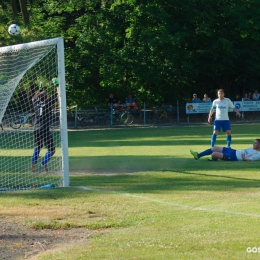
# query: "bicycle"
{"points": [[17, 121], [124, 117], [160, 116], [84, 121], [99, 117], [27, 120]]}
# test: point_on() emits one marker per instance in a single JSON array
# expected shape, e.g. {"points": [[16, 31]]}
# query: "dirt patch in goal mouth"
{"points": [[17, 241]]}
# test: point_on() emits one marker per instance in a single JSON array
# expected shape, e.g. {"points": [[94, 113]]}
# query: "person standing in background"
{"points": [[195, 99], [256, 95], [113, 100], [237, 98], [245, 98], [206, 98]]}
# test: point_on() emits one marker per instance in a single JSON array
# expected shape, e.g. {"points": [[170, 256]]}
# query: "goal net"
{"points": [[25, 71]]}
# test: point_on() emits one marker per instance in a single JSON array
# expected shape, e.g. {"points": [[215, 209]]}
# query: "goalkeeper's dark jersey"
{"points": [[44, 112]]}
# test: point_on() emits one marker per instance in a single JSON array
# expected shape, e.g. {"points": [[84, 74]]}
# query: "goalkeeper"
{"points": [[229, 154], [43, 107]]}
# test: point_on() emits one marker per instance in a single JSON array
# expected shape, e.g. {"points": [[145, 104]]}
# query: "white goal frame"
{"points": [[59, 43]]}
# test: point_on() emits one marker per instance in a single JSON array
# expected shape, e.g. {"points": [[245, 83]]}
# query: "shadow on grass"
{"points": [[199, 135], [132, 163], [149, 182], [221, 141], [142, 182]]}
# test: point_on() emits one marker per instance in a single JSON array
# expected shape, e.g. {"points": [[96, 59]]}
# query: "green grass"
{"points": [[145, 197]]}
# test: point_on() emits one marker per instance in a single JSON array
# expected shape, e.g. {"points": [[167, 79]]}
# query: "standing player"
{"points": [[221, 105], [43, 107]]}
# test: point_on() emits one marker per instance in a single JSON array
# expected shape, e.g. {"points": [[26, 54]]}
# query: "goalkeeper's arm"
{"points": [[55, 81], [58, 91]]}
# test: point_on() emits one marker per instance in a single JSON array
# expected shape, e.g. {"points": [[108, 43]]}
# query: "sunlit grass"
{"points": [[147, 198]]}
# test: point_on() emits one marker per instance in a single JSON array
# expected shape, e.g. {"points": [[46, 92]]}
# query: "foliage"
{"points": [[159, 51]]}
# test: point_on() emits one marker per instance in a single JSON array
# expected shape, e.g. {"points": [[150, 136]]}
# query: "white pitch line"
{"points": [[174, 203], [195, 208]]}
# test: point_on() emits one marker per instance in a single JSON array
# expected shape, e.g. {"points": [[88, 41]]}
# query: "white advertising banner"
{"points": [[198, 108], [204, 107], [245, 106]]}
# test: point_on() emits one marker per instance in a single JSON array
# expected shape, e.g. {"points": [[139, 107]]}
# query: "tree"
{"points": [[22, 8], [157, 50]]}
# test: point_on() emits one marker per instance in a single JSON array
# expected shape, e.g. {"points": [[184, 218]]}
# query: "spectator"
{"points": [[250, 95], [130, 103], [237, 98], [206, 98], [245, 98], [195, 99], [114, 100], [256, 95]]}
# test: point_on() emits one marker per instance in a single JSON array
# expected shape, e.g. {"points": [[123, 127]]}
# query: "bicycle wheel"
{"points": [[152, 117], [165, 119], [15, 122], [127, 118], [86, 121]]}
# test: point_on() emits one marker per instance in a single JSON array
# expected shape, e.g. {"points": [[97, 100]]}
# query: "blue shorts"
{"points": [[230, 154], [224, 124]]}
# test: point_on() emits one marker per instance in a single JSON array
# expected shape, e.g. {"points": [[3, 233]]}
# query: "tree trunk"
{"points": [[24, 11], [14, 7]]}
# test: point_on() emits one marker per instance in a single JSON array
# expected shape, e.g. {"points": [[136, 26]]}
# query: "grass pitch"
{"points": [[145, 197]]}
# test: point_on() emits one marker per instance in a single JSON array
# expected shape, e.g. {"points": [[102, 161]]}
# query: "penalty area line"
{"points": [[180, 205]]}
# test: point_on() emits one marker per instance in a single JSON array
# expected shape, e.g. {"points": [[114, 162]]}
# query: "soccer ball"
{"points": [[14, 29]]}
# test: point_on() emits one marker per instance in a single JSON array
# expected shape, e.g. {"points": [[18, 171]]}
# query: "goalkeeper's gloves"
{"points": [[55, 81]]}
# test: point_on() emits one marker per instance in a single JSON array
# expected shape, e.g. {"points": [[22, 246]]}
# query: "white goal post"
{"points": [[25, 71]]}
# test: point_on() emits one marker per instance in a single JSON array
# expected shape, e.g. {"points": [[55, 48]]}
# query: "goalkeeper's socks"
{"points": [[46, 158], [206, 152], [213, 140], [228, 139], [35, 156]]}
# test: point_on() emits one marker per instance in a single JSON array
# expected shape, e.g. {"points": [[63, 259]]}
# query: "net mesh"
{"points": [[26, 69]]}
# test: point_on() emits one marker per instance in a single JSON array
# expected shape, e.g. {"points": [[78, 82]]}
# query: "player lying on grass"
{"points": [[229, 154]]}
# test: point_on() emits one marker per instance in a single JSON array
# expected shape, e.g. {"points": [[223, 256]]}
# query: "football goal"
{"points": [[26, 70]]}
